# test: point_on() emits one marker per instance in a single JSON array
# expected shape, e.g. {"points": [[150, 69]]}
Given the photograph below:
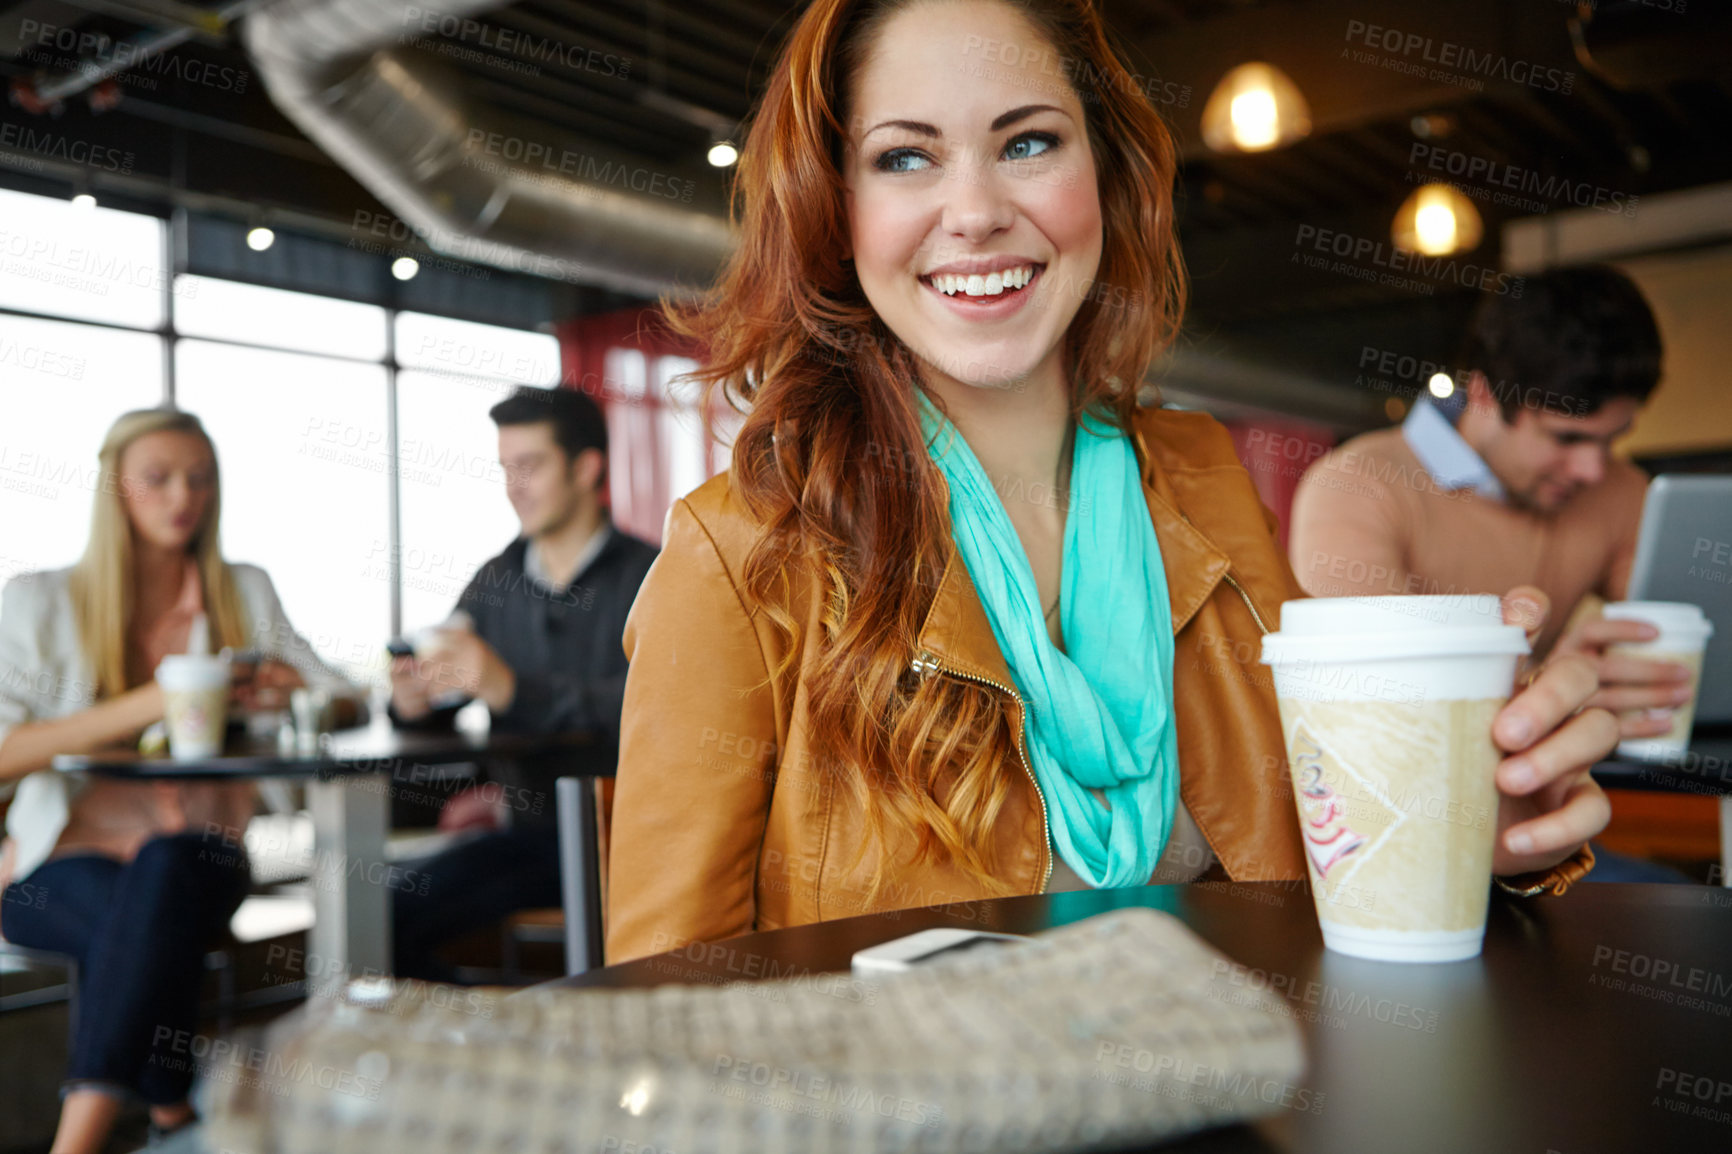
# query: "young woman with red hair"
{"points": [[963, 619]]}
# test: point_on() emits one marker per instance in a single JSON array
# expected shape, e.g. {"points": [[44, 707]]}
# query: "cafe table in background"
{"points": [[349, 781]]}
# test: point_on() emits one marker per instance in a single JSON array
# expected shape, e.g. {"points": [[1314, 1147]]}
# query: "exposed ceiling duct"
{"points": [[478, 188]]}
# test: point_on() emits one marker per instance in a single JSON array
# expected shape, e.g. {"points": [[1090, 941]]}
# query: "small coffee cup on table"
{"points": [[195, 692]]}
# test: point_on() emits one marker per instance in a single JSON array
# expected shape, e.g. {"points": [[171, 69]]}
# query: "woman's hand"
{"points": [[1548, 805], [268, 687], [1642, 692]]}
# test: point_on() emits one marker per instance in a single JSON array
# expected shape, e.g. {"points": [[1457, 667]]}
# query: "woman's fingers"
{"points": [[1527, 606], [1600, 632], [1584, 739], [1562, 687], [1620, 670], [1622, 698], [1645, 723], [1582, 814]]}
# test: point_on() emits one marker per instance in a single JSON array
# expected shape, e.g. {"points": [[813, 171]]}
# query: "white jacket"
{"points": [[43, 675]]}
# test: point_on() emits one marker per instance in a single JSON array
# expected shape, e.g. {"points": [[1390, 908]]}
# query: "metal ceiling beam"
{"points": [[478, 188]]}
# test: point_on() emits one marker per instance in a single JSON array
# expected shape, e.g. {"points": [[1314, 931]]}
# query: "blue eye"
{"points": [[1030, 145], [900, 160]]}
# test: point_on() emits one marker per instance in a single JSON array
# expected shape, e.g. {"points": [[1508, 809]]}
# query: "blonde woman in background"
{"points": [[119, 874]]}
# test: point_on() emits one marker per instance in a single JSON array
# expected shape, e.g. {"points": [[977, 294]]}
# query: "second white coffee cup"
{"points": [[1684, 632]]}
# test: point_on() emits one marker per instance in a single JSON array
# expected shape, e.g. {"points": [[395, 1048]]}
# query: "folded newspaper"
{"points": [[1113, 1031]]}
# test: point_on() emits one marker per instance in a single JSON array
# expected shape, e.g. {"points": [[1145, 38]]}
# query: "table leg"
{"points": [[351, 935], [579, 873], [1726, 839]]}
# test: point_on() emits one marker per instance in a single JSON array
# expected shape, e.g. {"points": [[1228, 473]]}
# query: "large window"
{"points": [[61, 386], [452, 492], [305, 451], [316, 406], [92, 264]]}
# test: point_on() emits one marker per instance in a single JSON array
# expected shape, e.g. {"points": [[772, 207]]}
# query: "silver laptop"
{"points": [[1684, 553]]}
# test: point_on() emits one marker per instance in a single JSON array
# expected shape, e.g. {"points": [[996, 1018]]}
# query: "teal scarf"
{"points": [[1101, 714]]}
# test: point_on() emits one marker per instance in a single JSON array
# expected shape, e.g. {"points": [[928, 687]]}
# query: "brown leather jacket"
{"points": [[724, 822]]}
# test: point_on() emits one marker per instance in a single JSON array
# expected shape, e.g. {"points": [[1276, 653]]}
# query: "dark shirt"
{"points": [[567, 652]]}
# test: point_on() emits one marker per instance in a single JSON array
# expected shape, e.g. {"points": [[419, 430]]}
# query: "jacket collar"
{"points": [[958, 635]]}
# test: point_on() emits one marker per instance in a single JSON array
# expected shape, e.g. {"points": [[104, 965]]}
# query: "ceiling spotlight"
{"points": [[261, 238], [1441, 385], [1436, 221], [1255, 107], [723, 154], [405, 267], [84, 200]]}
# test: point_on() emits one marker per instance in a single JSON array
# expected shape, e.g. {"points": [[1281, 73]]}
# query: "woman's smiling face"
{"points": [[974, 218]]}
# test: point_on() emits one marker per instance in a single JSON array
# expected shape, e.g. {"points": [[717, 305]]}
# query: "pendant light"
{"points": [[1436, 221], [1255, 107]]}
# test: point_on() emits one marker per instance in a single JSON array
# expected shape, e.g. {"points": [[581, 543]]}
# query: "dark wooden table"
{"points": [[350, 779], [1595, 1023]]}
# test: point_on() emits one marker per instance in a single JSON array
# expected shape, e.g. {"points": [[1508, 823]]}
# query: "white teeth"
{"points": [[990, 285]]}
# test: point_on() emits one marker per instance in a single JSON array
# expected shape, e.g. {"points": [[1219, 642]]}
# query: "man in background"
{"points": [[537, 636], [1510, 481]]}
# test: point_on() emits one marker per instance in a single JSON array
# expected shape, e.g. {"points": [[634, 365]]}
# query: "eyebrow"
{"points": [[1004, 121], [1577, 435]]}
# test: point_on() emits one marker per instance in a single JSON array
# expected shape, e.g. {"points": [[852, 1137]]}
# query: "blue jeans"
{"points": [[140, 931], [473, 884]]}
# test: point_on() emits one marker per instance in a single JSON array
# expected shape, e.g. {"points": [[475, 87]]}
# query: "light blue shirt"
{"points": [[1449, 459]]}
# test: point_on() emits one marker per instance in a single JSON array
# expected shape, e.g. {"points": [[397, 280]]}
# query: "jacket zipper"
{"points": [[1246, 597], [924, 662]]}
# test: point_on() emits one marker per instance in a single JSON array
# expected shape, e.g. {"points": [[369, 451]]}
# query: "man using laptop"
{"points": [[537, 637], [1510, 480]]}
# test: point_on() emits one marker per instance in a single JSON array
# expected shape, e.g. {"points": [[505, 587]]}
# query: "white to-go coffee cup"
{"points": [[1386, 708], [1684, 632], [195, 693]]}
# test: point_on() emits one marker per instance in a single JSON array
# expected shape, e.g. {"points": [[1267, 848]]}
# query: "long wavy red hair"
{"points": [[830, 457]]}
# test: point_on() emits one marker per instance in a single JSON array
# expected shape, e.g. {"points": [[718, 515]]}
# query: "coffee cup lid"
{"points": [[1377, 628], [192, 670], [1677, 617]]}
